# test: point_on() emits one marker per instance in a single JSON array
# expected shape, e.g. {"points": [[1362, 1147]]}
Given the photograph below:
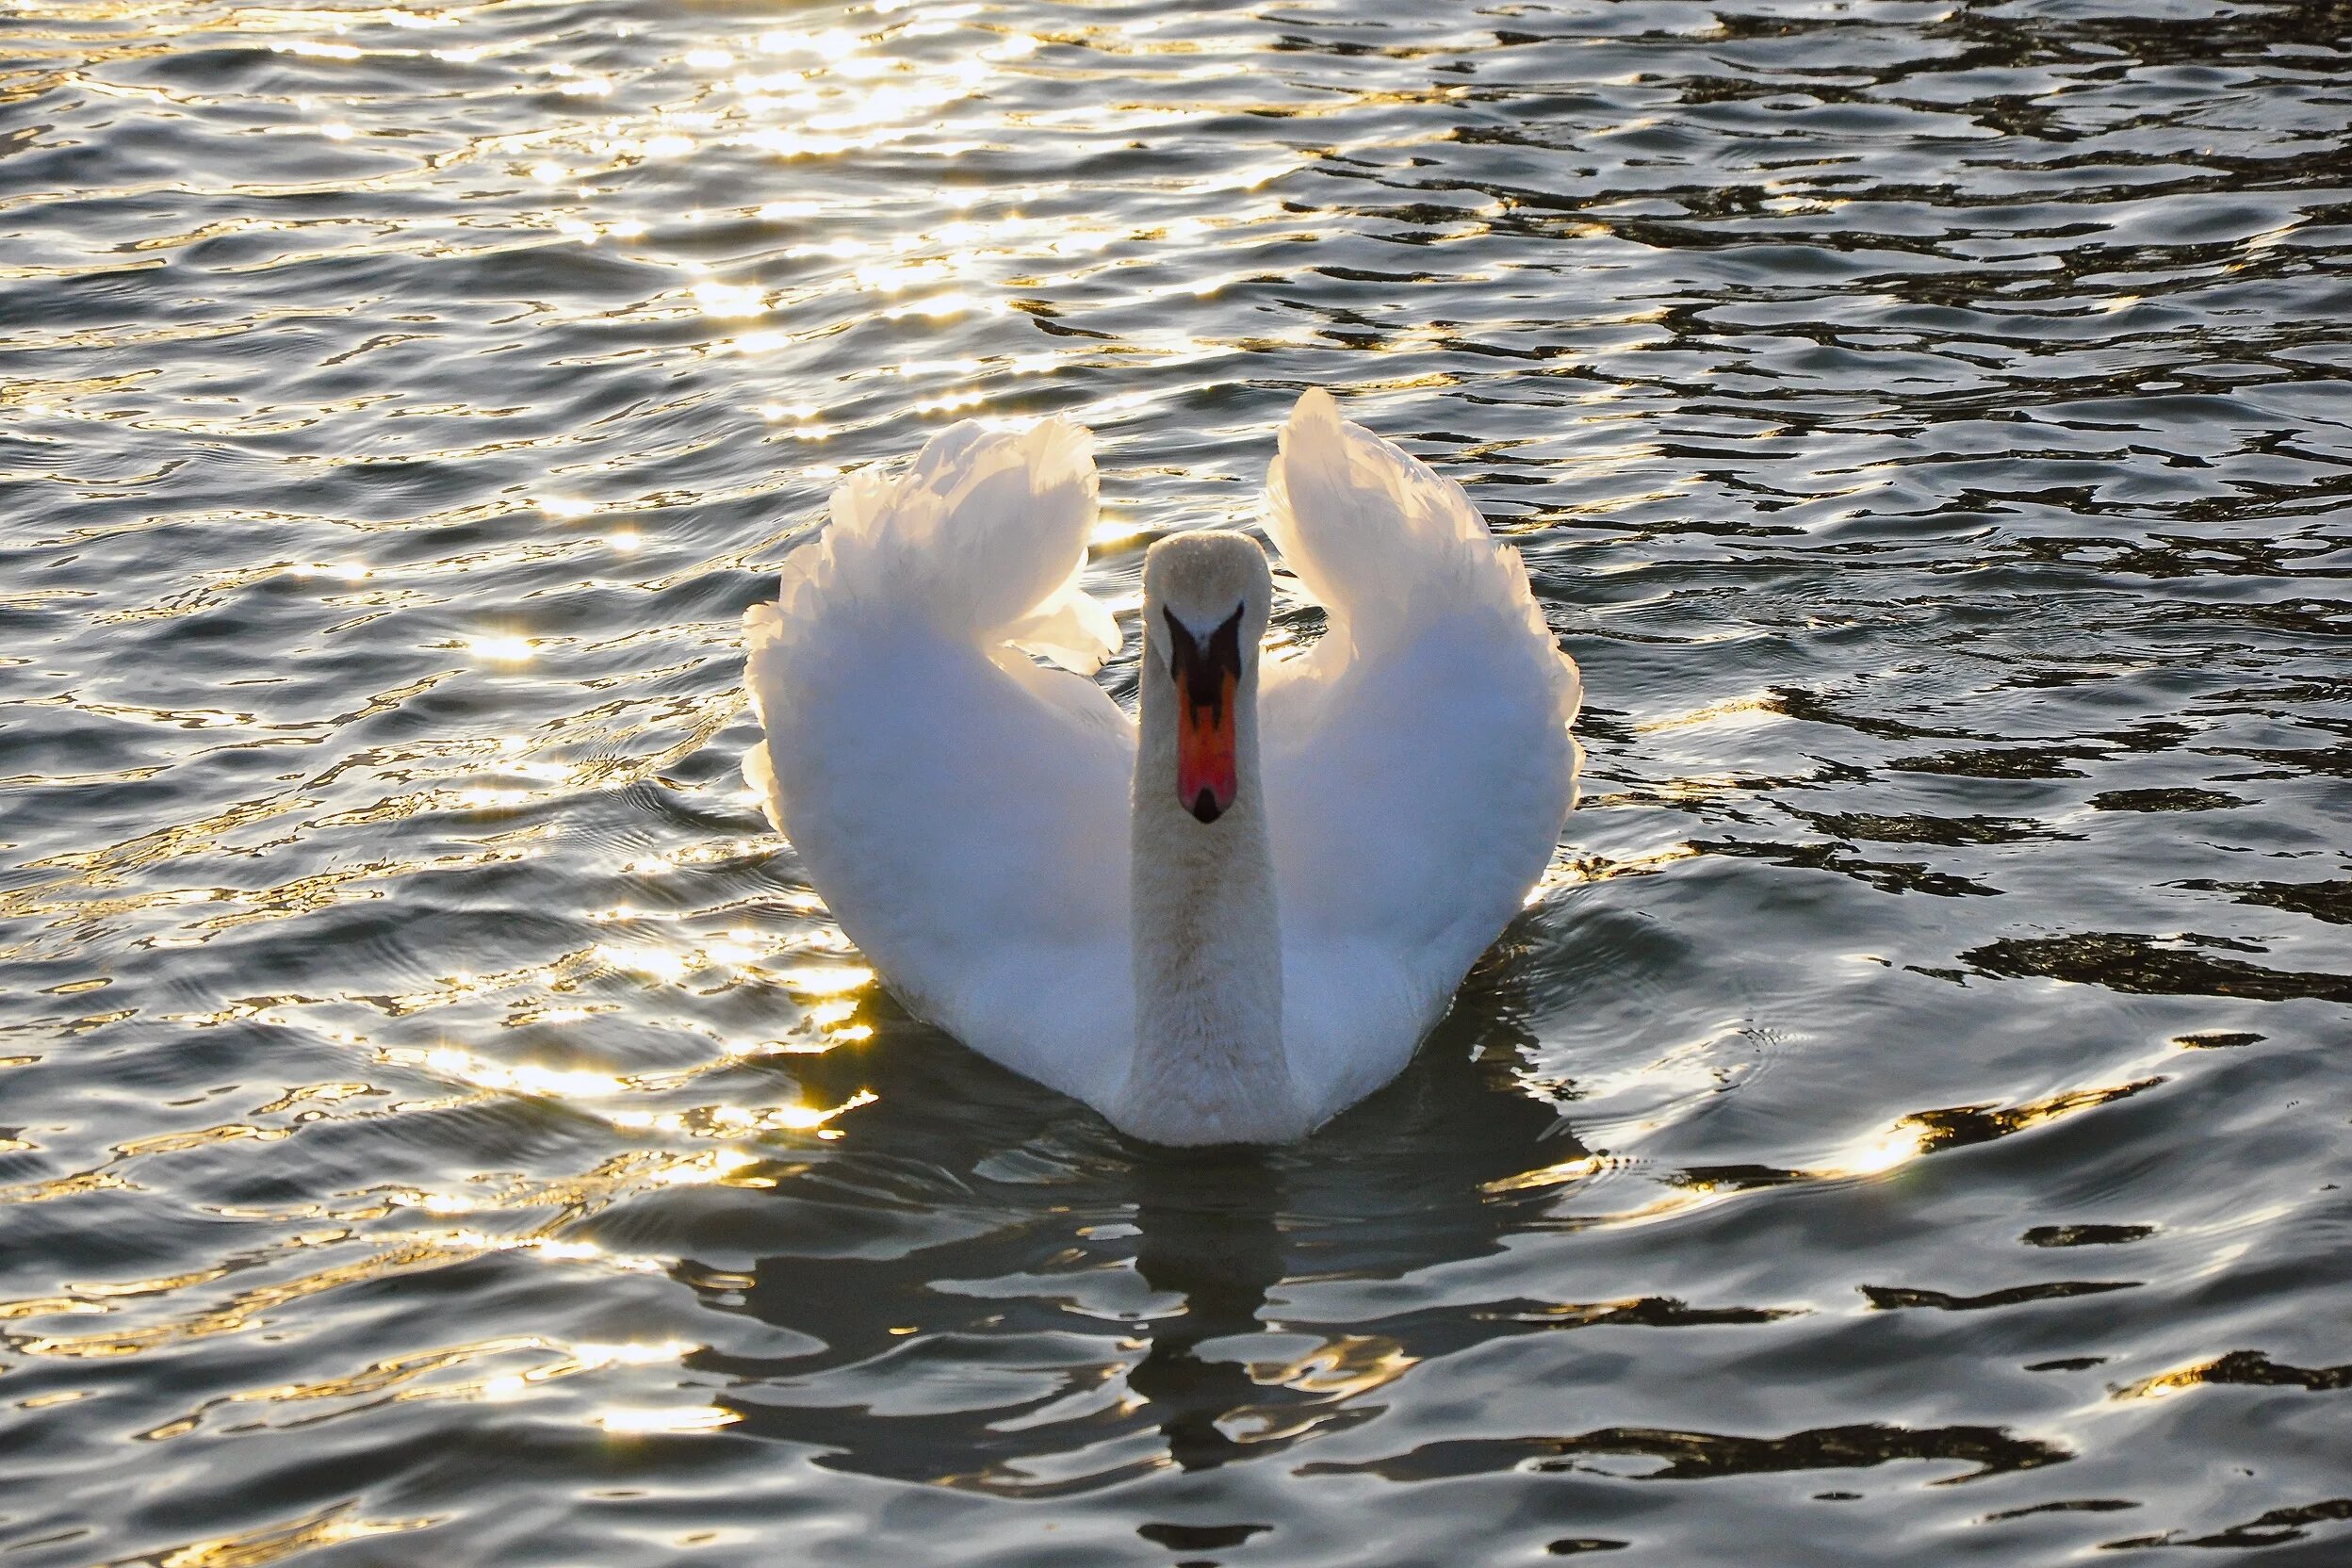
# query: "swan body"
{"points": [[1235, 918]]}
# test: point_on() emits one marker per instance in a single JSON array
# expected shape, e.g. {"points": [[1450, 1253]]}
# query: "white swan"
{"points": [[1236, 922]]}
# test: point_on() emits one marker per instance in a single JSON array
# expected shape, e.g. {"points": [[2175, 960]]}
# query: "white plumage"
{"points": [[967, 812]]}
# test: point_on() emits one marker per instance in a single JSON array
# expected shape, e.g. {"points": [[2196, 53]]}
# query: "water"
{"points": [[439, 1122]]}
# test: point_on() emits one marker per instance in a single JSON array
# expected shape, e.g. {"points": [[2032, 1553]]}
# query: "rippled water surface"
{"points": [[439, 1122]]}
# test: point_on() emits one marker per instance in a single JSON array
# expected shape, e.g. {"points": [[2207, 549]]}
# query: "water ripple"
{"points": [[436, 1114]]}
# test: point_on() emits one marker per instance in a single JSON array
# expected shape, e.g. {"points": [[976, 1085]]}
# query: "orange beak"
{"points": [[1206, 769], [1207, 672]]}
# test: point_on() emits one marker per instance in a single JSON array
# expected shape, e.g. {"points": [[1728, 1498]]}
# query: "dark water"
{"points": [[439, 1125]]}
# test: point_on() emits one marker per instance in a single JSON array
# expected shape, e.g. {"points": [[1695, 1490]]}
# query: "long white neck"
{"points": [[1208, 1066]]}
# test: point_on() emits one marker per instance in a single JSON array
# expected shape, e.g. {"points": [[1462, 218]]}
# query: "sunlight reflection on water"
{"points": [[436, 1107]]}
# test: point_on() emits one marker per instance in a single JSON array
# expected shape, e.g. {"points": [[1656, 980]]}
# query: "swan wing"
{"points": [[962, 809], [1417, 760]]}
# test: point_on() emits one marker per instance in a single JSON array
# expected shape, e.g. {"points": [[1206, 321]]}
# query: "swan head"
{"points": [[1207, 595]]}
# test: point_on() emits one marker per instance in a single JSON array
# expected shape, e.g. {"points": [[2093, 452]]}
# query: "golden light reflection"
{"points": [[445, 1203], [53, 1187], [659, 963], [735, 948], [725, 300], [639, 1420], [1697, 788], [554, 1082], [505, 1387], [941, 306], [898, 276], [273, 1543], [826, 981], [419, 1377], [1343, 1367], [1762, 705], [342, 571], [1547, 1176], [1879, 1154], [250, 1306], [62, 1397], [1115, 527], [592, 1090], [1906, 1140], [554, 1204], [832, 44], [500, 650], [1570, 871], [2163, 1385]]}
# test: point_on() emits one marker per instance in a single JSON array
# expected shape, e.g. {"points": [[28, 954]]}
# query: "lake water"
{"points": [[439, 1122]]}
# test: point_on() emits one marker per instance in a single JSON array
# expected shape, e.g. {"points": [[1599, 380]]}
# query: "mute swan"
{"points": [[1234, 920]]}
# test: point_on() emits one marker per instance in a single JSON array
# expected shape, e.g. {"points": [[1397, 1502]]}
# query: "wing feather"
{"points": [[962, 809], [1418, 762]]}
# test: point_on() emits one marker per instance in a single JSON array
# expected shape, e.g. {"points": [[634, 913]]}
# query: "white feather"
{"points": [[966, 812], [1417, 758]]}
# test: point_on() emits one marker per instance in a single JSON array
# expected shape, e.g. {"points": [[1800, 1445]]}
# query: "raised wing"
{"points": [[962, 811], [1417, 760]]}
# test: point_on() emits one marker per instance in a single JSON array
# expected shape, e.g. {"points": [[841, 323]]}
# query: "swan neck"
{"points": [[1209, 1064]]}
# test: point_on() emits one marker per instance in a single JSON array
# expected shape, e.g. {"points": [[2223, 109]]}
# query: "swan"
{"points": [[1233, 916]]}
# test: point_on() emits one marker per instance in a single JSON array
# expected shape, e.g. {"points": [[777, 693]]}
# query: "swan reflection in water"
{"points": [[1075, 1286]]}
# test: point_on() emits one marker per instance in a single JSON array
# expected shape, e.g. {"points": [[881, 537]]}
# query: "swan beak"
{"points": [[1207, 672], [1206, 771]]}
